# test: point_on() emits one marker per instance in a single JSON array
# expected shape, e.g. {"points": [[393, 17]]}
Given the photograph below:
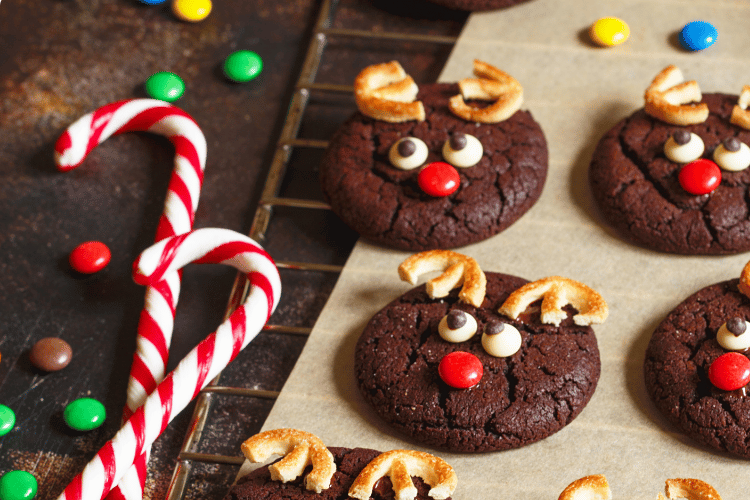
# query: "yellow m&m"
{"points": [[191, 10], [609, 31]]}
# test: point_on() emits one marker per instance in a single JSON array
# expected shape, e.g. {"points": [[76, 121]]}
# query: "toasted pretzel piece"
{"points": [[555, 293], [400, 465], [457, 269], [587, 488], [740, 114], [300, 449], [692, 489], [385, 92], [491, 84], [744, 284], [668, 98]]}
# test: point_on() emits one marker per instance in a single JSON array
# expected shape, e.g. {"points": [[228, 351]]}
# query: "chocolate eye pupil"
{"points": [[494, 328], [736, 326], [407, 148], [681, 137], [458, 141], [731, 144], [456, 319]]}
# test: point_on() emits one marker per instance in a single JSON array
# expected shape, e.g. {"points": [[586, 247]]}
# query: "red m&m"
{"points": [[700, 176], [438, 179], [460, 370], [89, 257], [730, 371]]}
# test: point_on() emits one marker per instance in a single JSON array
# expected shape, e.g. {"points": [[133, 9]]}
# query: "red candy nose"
{"points": [[438, 179], [700, 176], [89, 257], [460, 370], [730, 371]]}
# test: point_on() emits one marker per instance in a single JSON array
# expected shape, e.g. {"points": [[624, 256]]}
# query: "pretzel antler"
{"points": [[668, 96], [596, 488], [492, 84], [400, 465], [740, 114], [692, 489], [458, 269], [300, 449], [587, 488], [555, 293], [385, 92]]}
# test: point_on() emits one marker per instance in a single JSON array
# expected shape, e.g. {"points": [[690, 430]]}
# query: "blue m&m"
{"points": [[698, 35]]}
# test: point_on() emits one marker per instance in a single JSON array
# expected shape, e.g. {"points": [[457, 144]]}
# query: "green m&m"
{"points": [[242, 66], [84, 414], [17, 485], [165, 86], [7, 420]]}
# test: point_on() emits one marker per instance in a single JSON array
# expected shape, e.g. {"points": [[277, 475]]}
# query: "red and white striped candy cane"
{"points": [[157, 318], [202, 364]]}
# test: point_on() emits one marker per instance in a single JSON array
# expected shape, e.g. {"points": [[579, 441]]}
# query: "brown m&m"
{"points": [[51, 354]]}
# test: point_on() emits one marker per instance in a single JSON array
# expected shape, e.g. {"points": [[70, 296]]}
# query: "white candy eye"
{"points": [[408, 153], [734, 335], [683, 147], [732, 155], [457, 326], [462, 150], [501, 339]]}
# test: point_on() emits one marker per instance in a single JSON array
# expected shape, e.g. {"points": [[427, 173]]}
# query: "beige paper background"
{"points": [[577, 92]]}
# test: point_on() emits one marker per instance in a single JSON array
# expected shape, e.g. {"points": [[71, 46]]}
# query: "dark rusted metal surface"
{"points": [[63, 58]]}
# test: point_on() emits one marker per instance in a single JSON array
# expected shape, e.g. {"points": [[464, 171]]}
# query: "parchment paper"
{"points": [[577, 92]]}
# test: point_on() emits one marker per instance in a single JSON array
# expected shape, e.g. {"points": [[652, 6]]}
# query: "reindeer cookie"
{"points": [[697, 367], [477, 5], [497, 364], [673, 176], [434, 166], [310, 470]]}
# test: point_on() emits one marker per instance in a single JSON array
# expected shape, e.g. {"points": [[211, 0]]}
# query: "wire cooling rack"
{"points": [[382, 43]]}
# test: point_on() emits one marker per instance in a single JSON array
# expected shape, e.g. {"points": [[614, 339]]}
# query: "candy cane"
{"points": [[157, 318], [202, 364]]}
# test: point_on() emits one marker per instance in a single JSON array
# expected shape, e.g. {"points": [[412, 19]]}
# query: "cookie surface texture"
{"points": [[676, 366], [519, 399], [639, 194], [386, 205], [477, 5], [349, 463]]}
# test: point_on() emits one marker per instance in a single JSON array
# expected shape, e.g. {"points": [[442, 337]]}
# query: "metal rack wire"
{"points": [[288, 140]]}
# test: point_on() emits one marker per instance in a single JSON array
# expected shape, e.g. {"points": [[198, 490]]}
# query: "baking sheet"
{"points": [[577, 92]]}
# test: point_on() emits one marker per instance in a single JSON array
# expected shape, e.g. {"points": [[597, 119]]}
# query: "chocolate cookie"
{"points": [[679, 374], [638, 190], [477, 5], [519, 399], [349, 463], [387, 205]]}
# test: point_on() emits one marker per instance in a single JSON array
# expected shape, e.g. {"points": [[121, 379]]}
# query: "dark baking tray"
{"points": [[66, 58]]}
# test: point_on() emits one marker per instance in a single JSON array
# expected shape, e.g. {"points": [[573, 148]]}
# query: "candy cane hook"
{"points": [[202, 364], [157, 318]]}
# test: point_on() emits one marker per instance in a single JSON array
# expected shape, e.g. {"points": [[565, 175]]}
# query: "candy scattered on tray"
{"points": [[51, 354], [18, 485], [242, 66], [165, 86], [7, 420], [84, 414], [609, 31], [191, 10], [698, 35], [89, 257]]}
